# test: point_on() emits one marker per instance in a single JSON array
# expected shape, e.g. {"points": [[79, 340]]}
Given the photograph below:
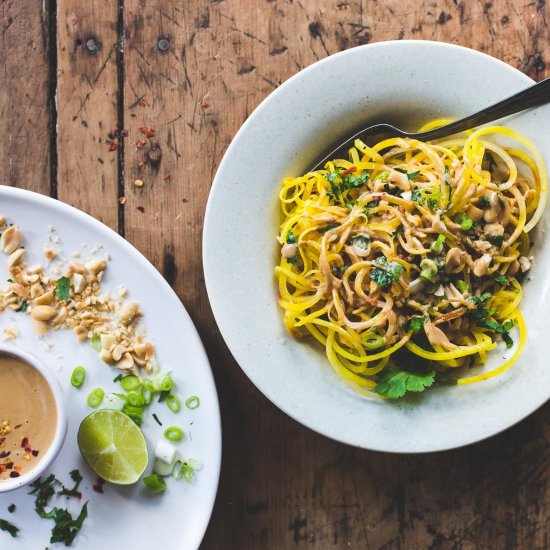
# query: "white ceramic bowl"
{"points": [[61, 427], [407, 82]]}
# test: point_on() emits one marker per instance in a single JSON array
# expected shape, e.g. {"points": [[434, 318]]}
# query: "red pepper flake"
{"points": [[16, 468], [4, 454], [25, 442], [205, 106], [34, 452], [150, 133], [349, 170], [166, 177], [143, 102], [98, 486], [141, 144], [113, 146], [142, 129], [28, 451], [14, 474]]}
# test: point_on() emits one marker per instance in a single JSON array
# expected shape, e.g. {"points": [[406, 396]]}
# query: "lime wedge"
{"points": [[113, 446]]}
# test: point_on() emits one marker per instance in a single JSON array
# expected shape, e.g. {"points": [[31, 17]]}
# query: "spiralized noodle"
{"points": [[409, 255]]}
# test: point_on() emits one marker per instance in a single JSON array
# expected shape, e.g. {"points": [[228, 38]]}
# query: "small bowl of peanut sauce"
{"points": [[33, 419]]}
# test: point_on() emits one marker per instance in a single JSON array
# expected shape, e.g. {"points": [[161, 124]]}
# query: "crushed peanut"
{"points": [[85, 309]]}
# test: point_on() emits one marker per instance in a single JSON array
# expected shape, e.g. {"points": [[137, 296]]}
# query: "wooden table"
{"points": [[83, 84]]}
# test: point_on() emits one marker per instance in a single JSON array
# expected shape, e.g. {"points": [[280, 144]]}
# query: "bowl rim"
{"points": [[208, 260], [61, 423]]}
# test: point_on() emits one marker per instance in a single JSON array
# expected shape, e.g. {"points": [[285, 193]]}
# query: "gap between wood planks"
{"points": [[52, 22]]}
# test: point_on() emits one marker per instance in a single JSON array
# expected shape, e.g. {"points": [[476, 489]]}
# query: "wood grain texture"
{"points": [[87, 119], [200, 67], [24, 109]]}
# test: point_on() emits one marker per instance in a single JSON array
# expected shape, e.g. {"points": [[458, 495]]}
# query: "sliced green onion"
{"points": [[78, 376], [372, 341], [147, 395], [96, 343], [173, 433], [135, 399], [135, 413], [462, 286], [130, 383], [192, 402], [95, 397], [183, 470], [163, 382], [154, 484], [427, 275], [466, 223], [438, 243], [173, 402]]}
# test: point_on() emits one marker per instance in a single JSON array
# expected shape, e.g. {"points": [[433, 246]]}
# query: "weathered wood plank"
{"points": [[87, 107], [24, 108]]}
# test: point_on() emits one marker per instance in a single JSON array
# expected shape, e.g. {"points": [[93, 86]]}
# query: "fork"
{"points": [[534, 96]]}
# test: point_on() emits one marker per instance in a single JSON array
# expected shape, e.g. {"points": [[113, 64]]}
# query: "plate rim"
{"points": [[38, 198]]}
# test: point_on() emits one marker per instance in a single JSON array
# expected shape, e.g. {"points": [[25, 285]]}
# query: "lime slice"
{"points": [[113, 446]]}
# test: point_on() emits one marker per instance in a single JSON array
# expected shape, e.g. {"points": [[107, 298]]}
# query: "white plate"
{"points": [[408, 82], [122, 517]]}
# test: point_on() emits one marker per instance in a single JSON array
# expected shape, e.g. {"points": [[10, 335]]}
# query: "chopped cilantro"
{"points": [[11, 508], [118, 378], [387, 273], [484, 202], [66, 527], [417, 322], [501, 279], [410, 175], [9, 527], [23, 306], [497, 240], [291, 238], [393, 383], [293, 260], [360, 241], [62, 287], [10, 280], [74, 492], [340, 183]]}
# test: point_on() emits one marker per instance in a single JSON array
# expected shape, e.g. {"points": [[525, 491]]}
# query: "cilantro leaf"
{"points": [[23, 306], [501, 279], [417, 322], [484, 203], [9, 527], [291, 238], [387, 273], [62, 287], [496, 240], [360, 241], [393, 383]]}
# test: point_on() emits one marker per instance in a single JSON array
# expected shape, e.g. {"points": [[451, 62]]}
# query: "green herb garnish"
{"points": [[501, 279], [23, 306], [393, 383], [5, 525], [360, 241], [387, 273], [62, 288], [497, 240], [417, 322], [291, 238]]}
